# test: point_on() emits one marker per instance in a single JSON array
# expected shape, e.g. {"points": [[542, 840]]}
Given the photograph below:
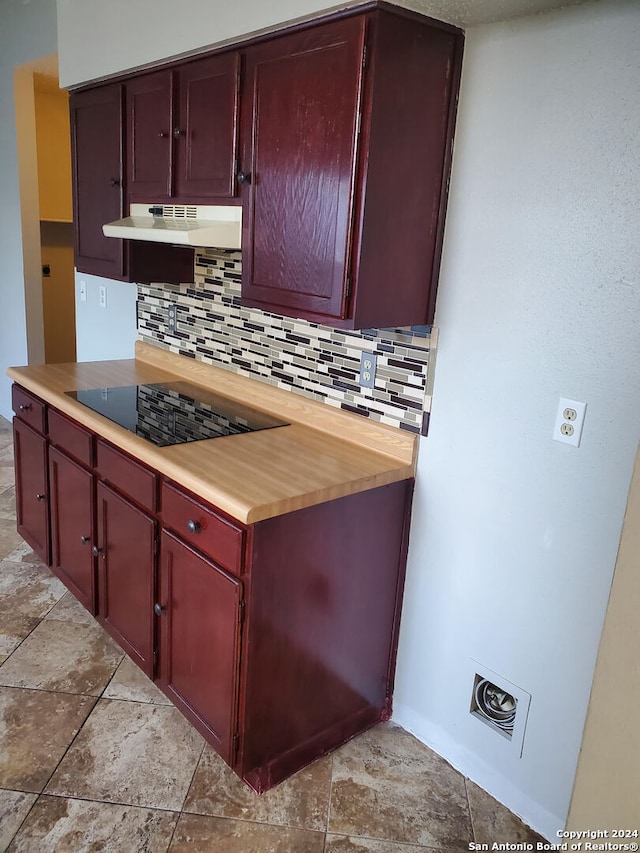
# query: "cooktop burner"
{"points": [[174, 412]]}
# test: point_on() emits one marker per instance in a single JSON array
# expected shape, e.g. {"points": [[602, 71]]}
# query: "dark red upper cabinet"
{"points": [[96, 135], [347, 145], [303, 101], [149, 101], [182, 128], [206, 131]]}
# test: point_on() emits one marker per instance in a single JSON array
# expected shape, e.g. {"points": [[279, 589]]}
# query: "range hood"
{"points": [[210, 226]]}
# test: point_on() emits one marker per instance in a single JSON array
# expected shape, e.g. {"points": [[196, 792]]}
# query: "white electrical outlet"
{"points": [[569, 421], [102, 299], [83, 290]]}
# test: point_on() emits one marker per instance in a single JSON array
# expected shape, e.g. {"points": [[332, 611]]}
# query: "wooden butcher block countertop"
{"points": [[323, 454]]}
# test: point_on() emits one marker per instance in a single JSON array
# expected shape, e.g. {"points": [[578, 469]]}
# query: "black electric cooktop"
{"points": [[174, 412]]}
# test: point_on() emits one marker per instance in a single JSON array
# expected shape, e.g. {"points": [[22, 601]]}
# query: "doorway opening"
{"points": [[44, 165]]}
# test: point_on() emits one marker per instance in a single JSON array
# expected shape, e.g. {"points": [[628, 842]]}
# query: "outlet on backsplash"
{"points": [[172, 317], [312, 360]]}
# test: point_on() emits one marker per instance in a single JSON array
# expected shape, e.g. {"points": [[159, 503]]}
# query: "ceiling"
{"points": [[469, 13]]}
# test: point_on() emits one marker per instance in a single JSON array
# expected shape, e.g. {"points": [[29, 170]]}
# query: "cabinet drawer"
{"points": [[128, 476], [202, 527], [28, 408], [71, 437]]}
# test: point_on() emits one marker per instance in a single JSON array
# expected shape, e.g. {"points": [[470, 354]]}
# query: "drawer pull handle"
{"points": [[84, 539], [97, 551], [40, 497], [194, 526], [25, 407], [158, 609]]}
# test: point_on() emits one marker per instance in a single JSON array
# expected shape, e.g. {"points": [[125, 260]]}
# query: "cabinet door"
{"points": [[206, 127], [72, 526], [126, 545], [302, 108], [96, 134], [32, 488], [149, 100], [199, 630]]}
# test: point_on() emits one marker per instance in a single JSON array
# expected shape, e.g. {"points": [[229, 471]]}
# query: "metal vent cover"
{"points": [[500, 705], [179, 211]]}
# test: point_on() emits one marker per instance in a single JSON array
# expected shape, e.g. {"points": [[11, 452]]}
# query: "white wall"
{"points": [[514, 536], [105, 333], [27, 31], [203, 23], [169, 30]]}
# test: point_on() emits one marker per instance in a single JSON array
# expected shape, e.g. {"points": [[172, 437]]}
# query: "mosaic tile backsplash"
{"points": [[306, 358]]}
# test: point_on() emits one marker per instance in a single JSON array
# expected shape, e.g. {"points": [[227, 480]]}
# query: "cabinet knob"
{"points": [[158, 609], [178, 132], [84, 539], [163, 134], [244, 177], [96, 551], [115, 182], [26, 407], [193, 526], [40, 497]]}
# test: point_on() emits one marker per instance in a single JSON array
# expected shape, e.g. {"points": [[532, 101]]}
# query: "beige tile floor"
{"points": [[93, 757]]}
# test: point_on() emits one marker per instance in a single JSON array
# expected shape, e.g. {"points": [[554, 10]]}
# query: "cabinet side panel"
{"points": [[321, 626], [411, 98]]}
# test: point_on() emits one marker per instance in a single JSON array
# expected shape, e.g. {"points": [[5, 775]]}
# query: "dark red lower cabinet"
{"points": [[277, 640], [199, 609], [125, 549], [72, 526], [32, 488]]}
